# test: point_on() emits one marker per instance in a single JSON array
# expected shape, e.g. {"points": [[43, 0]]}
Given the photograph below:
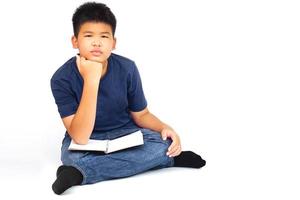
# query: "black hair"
{"points": [[93, 12]]}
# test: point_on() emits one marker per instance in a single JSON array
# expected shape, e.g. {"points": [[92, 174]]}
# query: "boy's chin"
{"points": [[93, 58], [96, 59]]}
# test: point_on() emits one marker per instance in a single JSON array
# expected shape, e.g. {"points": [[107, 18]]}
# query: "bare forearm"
{"points": [[84, 119], [150, 121]]}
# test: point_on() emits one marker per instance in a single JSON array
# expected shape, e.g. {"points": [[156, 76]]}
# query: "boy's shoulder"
{"points": [[123, 64], [121, 60], [65, 70]]}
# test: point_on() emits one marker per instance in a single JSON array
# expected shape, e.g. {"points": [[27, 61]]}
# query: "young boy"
{"points": [[99, 95]]}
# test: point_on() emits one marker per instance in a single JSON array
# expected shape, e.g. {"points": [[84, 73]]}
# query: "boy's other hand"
{"points": [[89, 70], [175, 148]]}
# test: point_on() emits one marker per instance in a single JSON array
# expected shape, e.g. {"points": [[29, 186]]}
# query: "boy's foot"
{"points": [[67, 176], [60, 169], [189, 159]]}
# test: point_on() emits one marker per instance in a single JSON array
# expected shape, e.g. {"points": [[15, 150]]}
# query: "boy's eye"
{"points": [[87, 35], [104, 36]]}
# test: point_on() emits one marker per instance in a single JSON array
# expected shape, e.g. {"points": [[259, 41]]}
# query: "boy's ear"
{"points": [[74, 42], [114, 44]]}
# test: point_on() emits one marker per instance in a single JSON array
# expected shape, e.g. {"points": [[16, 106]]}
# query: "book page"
{"points": [[133, 139], [92, 145]]}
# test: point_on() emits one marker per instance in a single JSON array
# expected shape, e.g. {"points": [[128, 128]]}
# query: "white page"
{"points": [[92, 145], [133, 139]]}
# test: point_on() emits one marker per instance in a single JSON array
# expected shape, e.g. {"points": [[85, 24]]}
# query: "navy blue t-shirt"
{"points": [[120, 91]]}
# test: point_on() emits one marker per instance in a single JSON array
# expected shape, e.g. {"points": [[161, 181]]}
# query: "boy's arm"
{"points": [[81, 125], [145, 119]]}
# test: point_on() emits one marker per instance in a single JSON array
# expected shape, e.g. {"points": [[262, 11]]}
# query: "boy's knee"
{"points": [[153, 136], [71, 157]]}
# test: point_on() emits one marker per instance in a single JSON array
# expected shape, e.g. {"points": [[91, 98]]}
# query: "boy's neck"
{"points": [[104, 68]]}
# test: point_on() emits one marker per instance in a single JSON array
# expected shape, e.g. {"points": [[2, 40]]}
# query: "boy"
{"points": [[99, 96]]}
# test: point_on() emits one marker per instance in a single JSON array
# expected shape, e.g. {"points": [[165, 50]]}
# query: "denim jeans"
{"points": [[98, 166]]}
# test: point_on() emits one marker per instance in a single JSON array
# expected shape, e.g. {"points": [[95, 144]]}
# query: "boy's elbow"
{"points": [[80, 137], [81, 141]]}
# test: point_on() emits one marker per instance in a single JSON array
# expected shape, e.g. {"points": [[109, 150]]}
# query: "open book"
{"points": [[108, 146]]}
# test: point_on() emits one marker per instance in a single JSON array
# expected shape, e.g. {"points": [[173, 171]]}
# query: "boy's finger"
{"points": [[176, 153], [173, 151], [174, 143], [172, 148], [164, 135]]}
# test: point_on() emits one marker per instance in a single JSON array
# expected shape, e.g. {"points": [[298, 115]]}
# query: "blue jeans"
{"points": [[97, 166]]}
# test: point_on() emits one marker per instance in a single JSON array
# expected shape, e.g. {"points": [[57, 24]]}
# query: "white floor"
{"points": [[227, 175], [34, 179]]}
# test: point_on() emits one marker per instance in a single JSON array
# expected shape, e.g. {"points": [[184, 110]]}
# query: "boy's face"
{"points": [[95, 41]]}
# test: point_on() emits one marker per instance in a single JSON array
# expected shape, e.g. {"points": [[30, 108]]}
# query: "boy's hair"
{"points": [[93, 12]]}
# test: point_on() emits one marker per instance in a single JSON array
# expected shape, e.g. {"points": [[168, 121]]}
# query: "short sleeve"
{"points": [[136, 98], [64, 98]]}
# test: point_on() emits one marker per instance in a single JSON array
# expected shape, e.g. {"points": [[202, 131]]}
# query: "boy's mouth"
{"points": [[96, 52]]}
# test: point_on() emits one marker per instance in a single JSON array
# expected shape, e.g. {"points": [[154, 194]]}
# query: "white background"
{"points": [[224, 74]]}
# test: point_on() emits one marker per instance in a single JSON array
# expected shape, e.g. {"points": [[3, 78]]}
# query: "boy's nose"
{"points": [[96, 43]]}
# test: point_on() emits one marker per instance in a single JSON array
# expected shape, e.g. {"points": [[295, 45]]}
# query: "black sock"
{"points": [[67, 176], [189, 159], [60, 169]]}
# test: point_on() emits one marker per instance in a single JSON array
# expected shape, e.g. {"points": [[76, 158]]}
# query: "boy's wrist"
{"points": [[91, 81], [166, 126]]}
